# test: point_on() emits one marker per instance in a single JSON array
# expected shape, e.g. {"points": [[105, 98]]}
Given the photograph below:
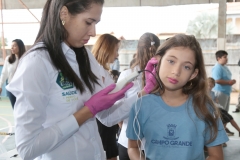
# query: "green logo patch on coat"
{"points": [[63, 82]]}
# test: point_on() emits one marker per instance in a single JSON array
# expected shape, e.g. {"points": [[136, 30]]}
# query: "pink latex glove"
{"points": [[102, 100], [150, 79]]}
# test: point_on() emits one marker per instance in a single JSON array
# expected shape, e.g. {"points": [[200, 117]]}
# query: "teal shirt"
{"points": [[170, 132], [222, 72]]}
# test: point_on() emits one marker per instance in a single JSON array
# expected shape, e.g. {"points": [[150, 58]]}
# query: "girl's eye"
{"points": [[170, 61], [187, 67]]}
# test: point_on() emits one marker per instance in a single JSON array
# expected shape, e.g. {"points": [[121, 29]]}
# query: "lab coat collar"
{"points": [[65, 48]]}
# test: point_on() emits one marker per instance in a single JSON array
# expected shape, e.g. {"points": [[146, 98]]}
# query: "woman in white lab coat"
{"points": [[59, 88]]}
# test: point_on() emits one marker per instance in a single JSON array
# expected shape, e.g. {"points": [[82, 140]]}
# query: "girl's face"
{"points": [[210, 86], [177, 68], [81, 27], [14, 48], [115, 53]]}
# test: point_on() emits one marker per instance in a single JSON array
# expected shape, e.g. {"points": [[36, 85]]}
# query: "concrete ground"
{"points": [[231, 152]]}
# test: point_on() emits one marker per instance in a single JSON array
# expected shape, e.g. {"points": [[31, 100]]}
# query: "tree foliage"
{"points": [[206, 26], [5, 40]]}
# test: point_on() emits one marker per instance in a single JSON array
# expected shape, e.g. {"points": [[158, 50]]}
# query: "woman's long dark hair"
{"points": [[52, 34], [22, 50]]}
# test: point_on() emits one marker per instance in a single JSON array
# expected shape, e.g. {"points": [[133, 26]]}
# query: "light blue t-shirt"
{"points": [[212, 95], [221, 72], [115, 65], [170, 132]]}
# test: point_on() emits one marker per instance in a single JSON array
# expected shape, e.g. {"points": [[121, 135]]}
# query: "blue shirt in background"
{"points": [[221, 72]]}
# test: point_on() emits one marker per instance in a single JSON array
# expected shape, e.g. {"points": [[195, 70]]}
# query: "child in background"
{"points": [[178, 120], [115, 74], [144, 59], [226, 117], [223, 79]]}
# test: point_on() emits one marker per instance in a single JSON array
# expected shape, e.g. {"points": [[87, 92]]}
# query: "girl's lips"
{"points": [[173, 81]]}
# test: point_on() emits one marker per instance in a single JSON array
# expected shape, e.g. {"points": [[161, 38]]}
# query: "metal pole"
{"points": [[2, 39], [28, 10], [221, 41]]}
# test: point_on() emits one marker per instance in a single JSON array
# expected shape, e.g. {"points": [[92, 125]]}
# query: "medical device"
{"points": [[120, 84]]}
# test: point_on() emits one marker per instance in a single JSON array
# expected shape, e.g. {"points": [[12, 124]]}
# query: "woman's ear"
{"points": [[63, 13], [194, 74]]}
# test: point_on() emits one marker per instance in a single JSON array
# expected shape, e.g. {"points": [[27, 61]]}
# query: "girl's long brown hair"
{"points": [[197, 87], [146, 49]]}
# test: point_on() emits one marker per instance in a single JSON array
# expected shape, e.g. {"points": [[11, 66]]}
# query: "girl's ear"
{"points": [[158, 57], [194, 74]]}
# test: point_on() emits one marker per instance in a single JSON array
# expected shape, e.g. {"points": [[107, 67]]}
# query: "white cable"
{"points": [[138, 125]]}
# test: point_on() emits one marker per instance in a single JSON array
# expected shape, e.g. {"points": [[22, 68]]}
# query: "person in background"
{"points": [[178, 118], [238, 104], [59, 88], [223, 78], [115, 65], [226, 117], [115, 74], [146, 49], [133, 60], [10, 65], [105, 50]]}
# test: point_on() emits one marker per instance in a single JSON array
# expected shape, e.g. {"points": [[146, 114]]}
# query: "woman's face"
{"points": [[115, 53], [14, 48], [81, 27]]}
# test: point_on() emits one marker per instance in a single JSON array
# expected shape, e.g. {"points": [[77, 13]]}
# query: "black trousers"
{"points": [[12, 98], [122, 152]]}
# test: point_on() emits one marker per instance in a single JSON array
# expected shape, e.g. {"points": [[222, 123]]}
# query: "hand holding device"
{"points": [[120, 84], [103, 100], [150, 78]]}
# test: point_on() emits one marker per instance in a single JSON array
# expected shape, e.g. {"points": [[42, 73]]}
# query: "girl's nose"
{"points": [[176, 70]]}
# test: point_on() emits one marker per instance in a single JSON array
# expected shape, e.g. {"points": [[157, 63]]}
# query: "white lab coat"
{"points": [[123, 140], [43, 113], [8, 71]]}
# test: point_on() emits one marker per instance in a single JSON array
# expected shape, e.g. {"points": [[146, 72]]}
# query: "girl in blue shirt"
{"points": [[178, 120]]}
